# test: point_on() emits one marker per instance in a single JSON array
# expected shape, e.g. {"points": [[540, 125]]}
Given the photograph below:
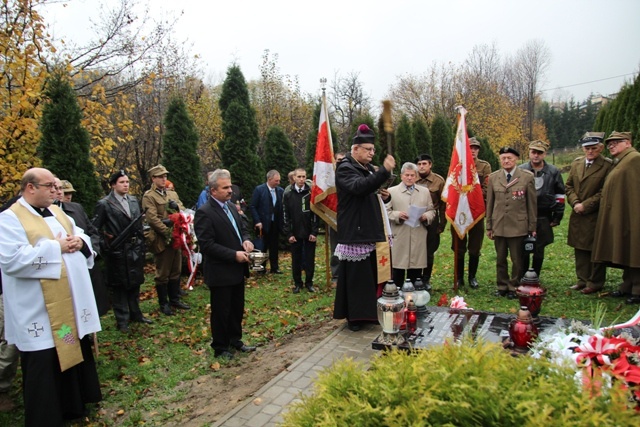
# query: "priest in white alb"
{"points": [[50, 309]]}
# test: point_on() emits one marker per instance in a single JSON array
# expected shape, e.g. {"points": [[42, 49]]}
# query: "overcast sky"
{"points": [[590, 41]]}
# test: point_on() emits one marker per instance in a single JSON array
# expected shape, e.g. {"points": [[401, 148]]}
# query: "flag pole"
{"points": [[327, 257]]}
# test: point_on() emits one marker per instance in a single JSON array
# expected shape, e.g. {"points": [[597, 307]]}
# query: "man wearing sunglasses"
{"points": [[617, 236], [583, 189]]}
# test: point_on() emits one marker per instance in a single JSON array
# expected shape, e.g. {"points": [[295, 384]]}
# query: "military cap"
{"points": [[364, 135], [116, 176], [473, 142], [157, 171], [510, 150], [591, 138], [538, 146], [67, 187], [619, 135], [423, 157]]}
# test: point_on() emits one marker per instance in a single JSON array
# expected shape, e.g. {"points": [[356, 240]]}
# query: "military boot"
{"points": [[474, 261], [460, 271], [163, 298], [174, 295]]}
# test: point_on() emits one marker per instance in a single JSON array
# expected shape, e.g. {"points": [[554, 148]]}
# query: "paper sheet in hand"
{"points": [[415, 212]]}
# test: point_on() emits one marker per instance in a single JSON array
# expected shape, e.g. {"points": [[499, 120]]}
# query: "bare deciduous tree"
{"points": [[348, 100]]}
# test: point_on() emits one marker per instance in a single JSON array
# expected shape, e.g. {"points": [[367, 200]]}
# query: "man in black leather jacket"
{"points": [[550, 196], [124, 258]]}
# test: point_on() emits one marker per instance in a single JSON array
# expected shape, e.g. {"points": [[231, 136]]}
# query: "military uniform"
{"points": [[584, 185], [168, 260], [435, 184], [473, 240], [617, 235], [511, 216]]}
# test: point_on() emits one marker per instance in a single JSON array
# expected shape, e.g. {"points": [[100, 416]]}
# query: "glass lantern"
{"points": [[412, 317], [390, 310], [422, 296], [408, 291], [531, 294]]}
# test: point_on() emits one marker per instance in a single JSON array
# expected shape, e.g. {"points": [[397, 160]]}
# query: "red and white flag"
{"points": [[324, 200], [462, 190]]}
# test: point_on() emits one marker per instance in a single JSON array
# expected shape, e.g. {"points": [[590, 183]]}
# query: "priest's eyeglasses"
{"points": [[49, 185]]}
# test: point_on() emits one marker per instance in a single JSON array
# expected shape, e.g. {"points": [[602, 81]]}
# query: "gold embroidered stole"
{"points": [[383, 249], [57, 294]]}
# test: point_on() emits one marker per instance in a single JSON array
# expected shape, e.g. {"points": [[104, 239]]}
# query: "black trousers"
{"points": [[126, 304], [51, 396], [227, 310], [303, 253], [271, 245], [412, 274]]}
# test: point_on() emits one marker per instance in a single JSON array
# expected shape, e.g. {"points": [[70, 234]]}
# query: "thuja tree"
{"points": [[179, 152], [239, 144], [279, 153], [442, 141], [405, 144], [421, 135], [65, 144]]}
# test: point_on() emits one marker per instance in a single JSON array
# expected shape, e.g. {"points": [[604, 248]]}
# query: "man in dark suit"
{"points": [[225, 244], [266, 210]]}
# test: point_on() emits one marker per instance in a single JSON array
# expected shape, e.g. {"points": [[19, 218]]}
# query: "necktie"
{"points": [[273, 195], [125, 205], [226, 210], [508, 177], [588, 165]]}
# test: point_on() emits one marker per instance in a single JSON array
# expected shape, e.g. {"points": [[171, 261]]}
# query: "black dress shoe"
{"points": [[180, 304], [224, 354], [310, 288], [617, 294], [512, 295], [427, 286], [165, 309], [143, 320], [276, 272], [353, 326], [123, 328], [182, 292], [460, 283], [246, 348], [501, 293], [296, 290], [473, 283], [635, 299]]}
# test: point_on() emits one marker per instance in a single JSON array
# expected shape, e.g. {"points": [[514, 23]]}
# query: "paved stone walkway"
{"points": [[265, 408]]}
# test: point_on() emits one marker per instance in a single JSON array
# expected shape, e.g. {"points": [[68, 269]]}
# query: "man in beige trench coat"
{"points": [[409, 250]]}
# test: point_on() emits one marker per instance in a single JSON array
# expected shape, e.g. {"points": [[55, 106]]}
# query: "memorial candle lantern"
{"points": [[408, 292], [390, 309], [522, 331], [531, 294], [412, 317], [422, 296]]}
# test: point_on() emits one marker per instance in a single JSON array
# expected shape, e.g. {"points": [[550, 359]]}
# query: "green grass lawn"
{"points": [[151, 361]]}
